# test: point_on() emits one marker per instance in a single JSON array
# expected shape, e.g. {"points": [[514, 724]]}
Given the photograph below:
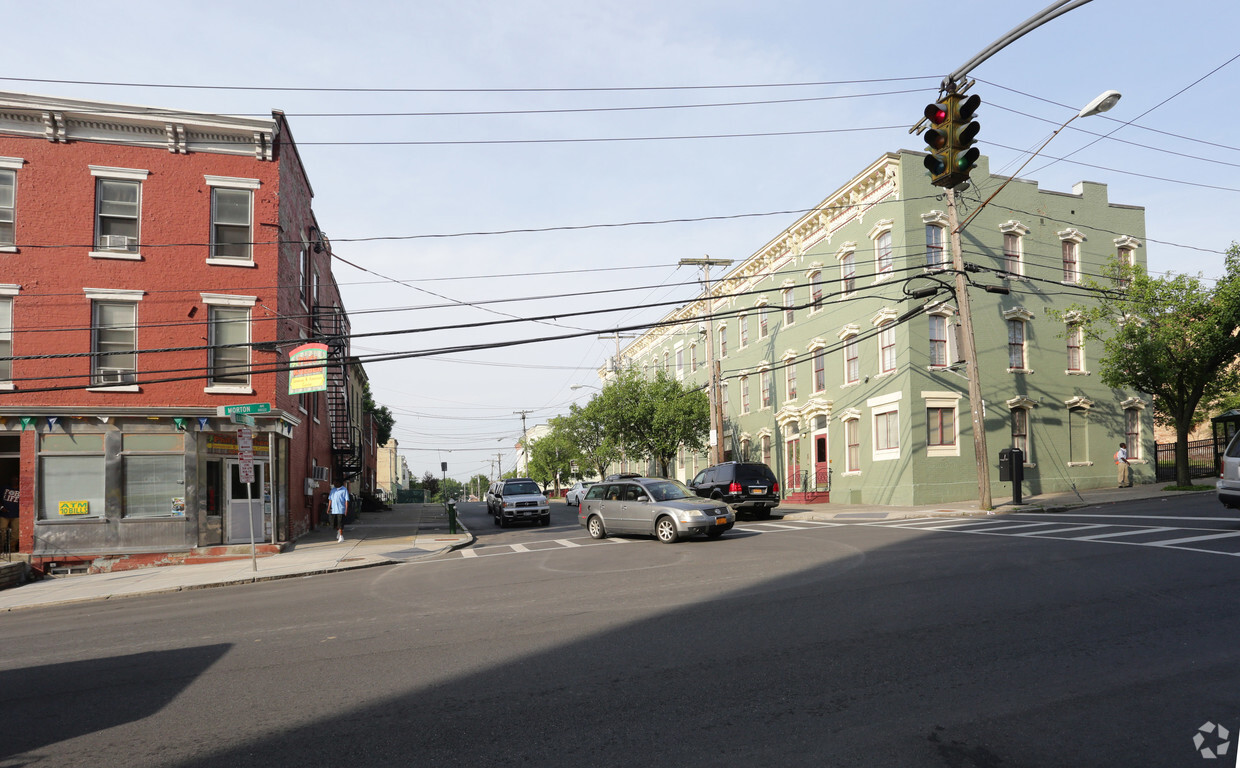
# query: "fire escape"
{"points": [[346, 436]]}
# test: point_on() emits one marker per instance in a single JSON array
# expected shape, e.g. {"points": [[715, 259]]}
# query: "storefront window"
{"points": [[154, 483], [71, 477]]}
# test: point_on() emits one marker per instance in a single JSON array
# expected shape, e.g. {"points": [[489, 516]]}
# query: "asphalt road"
{"points": [[891, 643]]}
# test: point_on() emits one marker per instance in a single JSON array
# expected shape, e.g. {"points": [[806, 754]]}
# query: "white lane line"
{"points": [[1123, 533], [469, 553], [519, 548], [1054, 531], [567, 543], [777, 526], [1191, 539], [1003, 527]]}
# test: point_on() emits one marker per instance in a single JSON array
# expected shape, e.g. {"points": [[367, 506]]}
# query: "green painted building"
{"points": [[827, 377]]}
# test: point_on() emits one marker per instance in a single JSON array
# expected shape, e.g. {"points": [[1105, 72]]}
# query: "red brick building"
{"points": [[154, 266]]}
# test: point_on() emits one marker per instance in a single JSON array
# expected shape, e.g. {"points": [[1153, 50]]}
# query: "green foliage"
{"points": [[384, 420], [585, 430], [654, 417], [1173, 337], [551, 457], [430, 484]]}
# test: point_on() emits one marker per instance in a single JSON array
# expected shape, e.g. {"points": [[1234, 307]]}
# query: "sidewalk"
{"points": [[405, 532], [415, 531]]}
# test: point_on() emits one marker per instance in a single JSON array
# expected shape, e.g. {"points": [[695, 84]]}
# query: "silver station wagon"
{"points": [[665, 509]]}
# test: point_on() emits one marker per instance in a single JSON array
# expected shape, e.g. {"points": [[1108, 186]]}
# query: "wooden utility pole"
{"points": [[712, 387], [968, 352]]}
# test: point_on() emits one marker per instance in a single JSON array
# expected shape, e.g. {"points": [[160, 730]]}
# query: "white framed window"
{"points": [[1126, 258], [847, 258], [765, 442], [1071, 240], [887, 348], [936, 253], [118, 211], [114, 338], [764, 328], [228, 339], [942, 423], [232, 220], [852, 354], [885, 419], [744, 394], [940, 346], [815, 291], [820, 370], [790, 378], [1016, 344], [1020, 431], [693, 358], [742, 322], [723, 341], [724, 403], [790, 314], [884, 259], [7, 292], [1014, 247], [852, 442], [1076, 348], [680, 362], [1078, 436], [8, 203], [1132, 432], [766, 386], [304, 277]]}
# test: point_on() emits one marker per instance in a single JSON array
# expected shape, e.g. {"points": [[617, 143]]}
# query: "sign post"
{"points": [[245, 455]]}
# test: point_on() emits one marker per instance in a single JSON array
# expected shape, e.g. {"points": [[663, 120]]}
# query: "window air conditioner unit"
{"points": [[117, 242], [310, 486], [114, 376], [320, 473]]}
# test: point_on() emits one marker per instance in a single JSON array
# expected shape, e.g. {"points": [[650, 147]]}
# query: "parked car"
{"points": [[744, 486], [519, 499], [1228, 484], [665, 509], [491, 494], [576, 493]]}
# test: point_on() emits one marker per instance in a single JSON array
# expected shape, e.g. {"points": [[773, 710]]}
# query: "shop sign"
{"points": [[307, 369], [74, 507]]}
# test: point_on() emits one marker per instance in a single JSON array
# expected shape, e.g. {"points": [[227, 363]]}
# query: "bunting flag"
{"points": [[51, 422], [202, 422], [26, 421], [104, 419], [179, 421]]}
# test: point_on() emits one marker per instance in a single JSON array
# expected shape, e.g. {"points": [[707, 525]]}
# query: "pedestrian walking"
{"points": [[1121, 465], [10, 516], [338, 501]]}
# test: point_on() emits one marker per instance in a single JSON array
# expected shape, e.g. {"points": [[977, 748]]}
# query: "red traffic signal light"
{"points": [[950, 140], [937, 138]]}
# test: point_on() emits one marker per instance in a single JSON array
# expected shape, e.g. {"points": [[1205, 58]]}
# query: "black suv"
{"points": [[745, 486]]}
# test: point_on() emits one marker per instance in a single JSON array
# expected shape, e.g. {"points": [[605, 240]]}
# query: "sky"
{"points": [[482, 162]]}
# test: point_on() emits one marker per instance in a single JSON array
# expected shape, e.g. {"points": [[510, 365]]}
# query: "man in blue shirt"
{"points": [[339, 505]]}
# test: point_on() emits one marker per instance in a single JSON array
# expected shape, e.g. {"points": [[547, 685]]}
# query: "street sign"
{"points": [[244, 419], [229, 410], [245, 455]]}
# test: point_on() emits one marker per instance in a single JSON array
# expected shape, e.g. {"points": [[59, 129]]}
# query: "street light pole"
{"points": [[716, 417]]}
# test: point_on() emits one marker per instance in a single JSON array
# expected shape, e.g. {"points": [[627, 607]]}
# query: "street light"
{"points": [[585, 386], [1102, 103]]}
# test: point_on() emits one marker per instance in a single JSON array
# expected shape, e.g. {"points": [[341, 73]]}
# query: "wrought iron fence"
{"points": [[1201, 461]]}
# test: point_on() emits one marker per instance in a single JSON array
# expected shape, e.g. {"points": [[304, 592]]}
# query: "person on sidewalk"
{"points": [[9, 515], [338, 501], [1121, 464]]}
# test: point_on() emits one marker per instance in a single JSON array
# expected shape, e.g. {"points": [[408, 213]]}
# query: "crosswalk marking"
{"points": [[1117, 534], [1055, 531], [1190, 540], [567, 543]]}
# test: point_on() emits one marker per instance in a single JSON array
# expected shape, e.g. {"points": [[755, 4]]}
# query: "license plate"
{"points": [[757, 491], [721, 521]]}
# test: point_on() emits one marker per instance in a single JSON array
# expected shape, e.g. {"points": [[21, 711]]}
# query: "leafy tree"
{"points": [[551, 457], [430, 484], [384, 420], [451, 489], [585, 429], [478, 485], [654, 417], [1172, 337]]}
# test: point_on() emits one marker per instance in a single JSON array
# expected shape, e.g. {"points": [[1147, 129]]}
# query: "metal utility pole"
{"points": [[969, 353], [712, 387], [525, 441]]}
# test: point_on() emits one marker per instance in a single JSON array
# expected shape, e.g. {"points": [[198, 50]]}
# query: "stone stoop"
{"points": [[13, 573]]}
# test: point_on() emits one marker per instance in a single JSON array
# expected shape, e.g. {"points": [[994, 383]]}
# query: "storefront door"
{"points": [[240, 508], [822, 464]]}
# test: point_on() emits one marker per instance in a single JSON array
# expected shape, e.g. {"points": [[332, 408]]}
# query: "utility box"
{"points": [[1011, 465]]}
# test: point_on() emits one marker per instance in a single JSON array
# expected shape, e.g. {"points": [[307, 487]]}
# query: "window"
{"points": [[820, 370], [887, 348], [693, 358], [1125, 257], [790, 378], [724, 403], [667, 362], [744, 449], [8, 198], [114, 348], [1132, 432], [815, 291], [723, 342], [1078, 435], [680, 363], [1013, 247], [229, 355], [884, 262], [71, 469], [117, 207], [303, 264], [887, 431], [852, 362], [766, 385], [938, 342], [936, 257], [1016, 344], [1076, 352], [154, 475], [790, 314], [743, 322], [766, 449], [763, 329], [744, 394], [848, 273], [852, 440], [1072, 240], [232, 220], [6, 338], [1020, 431], [941, 423]]}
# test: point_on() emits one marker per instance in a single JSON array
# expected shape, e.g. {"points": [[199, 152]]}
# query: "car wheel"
{"points": [[665, 530], [714, 533], [495, 517], [595, 526], [502, 522]]}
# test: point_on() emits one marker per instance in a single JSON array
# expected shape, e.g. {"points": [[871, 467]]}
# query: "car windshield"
{"points": [[753, 473], [668, 490], [522, 487]]}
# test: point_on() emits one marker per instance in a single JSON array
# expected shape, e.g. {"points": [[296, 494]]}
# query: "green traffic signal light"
{"points": [[950, 140]]}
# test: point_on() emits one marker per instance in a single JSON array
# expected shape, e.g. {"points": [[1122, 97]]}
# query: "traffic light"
{"points": [[950, 139]]}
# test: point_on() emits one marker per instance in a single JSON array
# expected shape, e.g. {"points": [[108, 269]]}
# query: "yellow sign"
{"points": [[307, 371], [75, 507]]}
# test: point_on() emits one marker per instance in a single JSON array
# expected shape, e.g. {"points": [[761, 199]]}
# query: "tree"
{"points": [[478, 485], [430, 484], [654, 417], [1172, 337], [383, 418], [551, 457], [585, 429]]}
